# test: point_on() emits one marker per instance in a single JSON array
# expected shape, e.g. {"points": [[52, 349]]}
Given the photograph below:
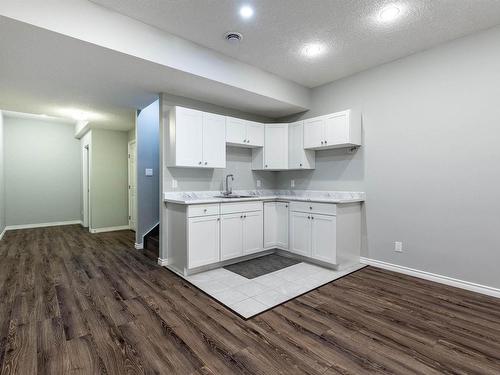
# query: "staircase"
{"points": [[152, 243]]}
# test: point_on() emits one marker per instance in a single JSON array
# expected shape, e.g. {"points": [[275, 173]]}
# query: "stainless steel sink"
{"points": [[233, 196]]}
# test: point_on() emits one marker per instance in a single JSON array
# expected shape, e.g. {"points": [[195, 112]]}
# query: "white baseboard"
{"points": [[42, 225], [3, 233], [478, 288], [139, 246], [109, 229], [162, 262]]}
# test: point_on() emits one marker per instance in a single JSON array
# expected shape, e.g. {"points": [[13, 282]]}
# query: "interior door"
{"points": [[276, 146], [231, 236], [323, 245], [253, 226], [255, 134], [189, 137], [132, 186], [337, 129], [204, 238], [314, 133], [214, 141], [300, 233], [282, 225]]}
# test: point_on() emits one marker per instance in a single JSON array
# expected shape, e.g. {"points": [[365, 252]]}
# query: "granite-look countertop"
{"points": [[204, 197]]}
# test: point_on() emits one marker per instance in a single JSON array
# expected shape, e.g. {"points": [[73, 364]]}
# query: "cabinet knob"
{"points": [[218, 219], [312, 217], [300, 164], [205, 210], [206, 163], [244, 216], [309, 217], [326, 142], [244, 141], [248, 140], [321, 142], [199, 162], [286, 206], [310, 207], [241, 217]]}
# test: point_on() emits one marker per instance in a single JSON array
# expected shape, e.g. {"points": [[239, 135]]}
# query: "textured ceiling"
{"points": [[274, 37]]}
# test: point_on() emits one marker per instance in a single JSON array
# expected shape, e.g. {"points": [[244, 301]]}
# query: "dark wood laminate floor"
{"points": [[76, 303]]}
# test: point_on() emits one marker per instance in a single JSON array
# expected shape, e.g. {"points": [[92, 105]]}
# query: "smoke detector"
{"points": [[233, 37]]}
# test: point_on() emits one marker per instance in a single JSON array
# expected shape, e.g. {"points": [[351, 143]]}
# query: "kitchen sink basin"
{"points": [[233, 196]]}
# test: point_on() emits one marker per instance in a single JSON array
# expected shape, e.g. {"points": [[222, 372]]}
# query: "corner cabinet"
{"points": [[195, 139], [298, 158], [336, 130], [276, 225], [244, 133], [274, 155]]}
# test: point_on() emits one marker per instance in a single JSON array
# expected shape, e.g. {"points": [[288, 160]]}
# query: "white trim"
{"points": [[132, 211], [109, 229], [478, 288], [3, 233], [42, 225], [162, 262], [139, 246]]}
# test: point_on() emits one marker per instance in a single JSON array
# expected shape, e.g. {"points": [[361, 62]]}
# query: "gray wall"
{"points": [[429, 164], [239, 160], [42, 171], [148, 156], [109, 179], [2, 180]]}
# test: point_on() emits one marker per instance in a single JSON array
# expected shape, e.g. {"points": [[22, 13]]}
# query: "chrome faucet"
{"points": [[228, 190]]}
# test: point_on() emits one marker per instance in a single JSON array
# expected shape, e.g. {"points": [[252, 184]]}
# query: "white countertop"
{"points": [[204, 197]]}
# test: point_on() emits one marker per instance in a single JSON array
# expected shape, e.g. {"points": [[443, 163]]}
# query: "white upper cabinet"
{"points": [[195, 139], [274, 155], [244, 133], [298, 158], [340, 129]]}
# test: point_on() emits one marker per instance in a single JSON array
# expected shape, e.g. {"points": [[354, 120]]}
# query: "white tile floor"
{"points": [[249, 297]]}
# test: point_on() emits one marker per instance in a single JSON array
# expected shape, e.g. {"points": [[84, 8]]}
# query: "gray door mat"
{"points": [[261, 266]]}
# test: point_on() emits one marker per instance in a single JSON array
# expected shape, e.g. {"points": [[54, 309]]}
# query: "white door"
{"points": [[253, 226], [214, 141], [132, 186], [255, 134], [300, 233], [337, 129], [323, 246], [204, 235], [314, 133], [236, 131], [276, 146], [282, 225], [270, 224], [231, 236], [188, 137]]}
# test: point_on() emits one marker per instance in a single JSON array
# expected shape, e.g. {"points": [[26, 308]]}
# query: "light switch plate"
{"points": [[174, 184], [292, 183], [149, 172], [259, 183], [398, 247]]}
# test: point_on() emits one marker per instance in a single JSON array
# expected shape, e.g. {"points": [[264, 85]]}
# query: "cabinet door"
{"points": [[276, 146], [337, 129], [236, 131], [270, 224], [253, 225], [300, 233], [231, 236], [255, 134], [188, 137], [214, 141], [314, 134], [282, 225], [324, 238], [204, 235], [295, 143]]}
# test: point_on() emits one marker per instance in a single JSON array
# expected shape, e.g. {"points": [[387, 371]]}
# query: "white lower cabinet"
{"points": [[323, 238], [203, 237], [252, 232], [231, 236], [276, 225], [300, 233]]}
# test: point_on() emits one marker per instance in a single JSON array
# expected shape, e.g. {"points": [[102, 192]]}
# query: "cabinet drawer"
{"points": [[203, 210], [229, 208], [318, 208]]}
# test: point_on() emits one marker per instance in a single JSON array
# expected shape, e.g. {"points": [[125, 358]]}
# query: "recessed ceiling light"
{"points": [[313, 49], [389, 13], [246, 11], [78, 114]]}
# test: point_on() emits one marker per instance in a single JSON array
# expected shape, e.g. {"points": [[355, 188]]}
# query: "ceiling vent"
{"points": [[233, 37]]}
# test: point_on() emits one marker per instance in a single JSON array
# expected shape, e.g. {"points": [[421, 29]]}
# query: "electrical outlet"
{"points": [[259, 183], [292, 183], [398, 247], [174, 184]]}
